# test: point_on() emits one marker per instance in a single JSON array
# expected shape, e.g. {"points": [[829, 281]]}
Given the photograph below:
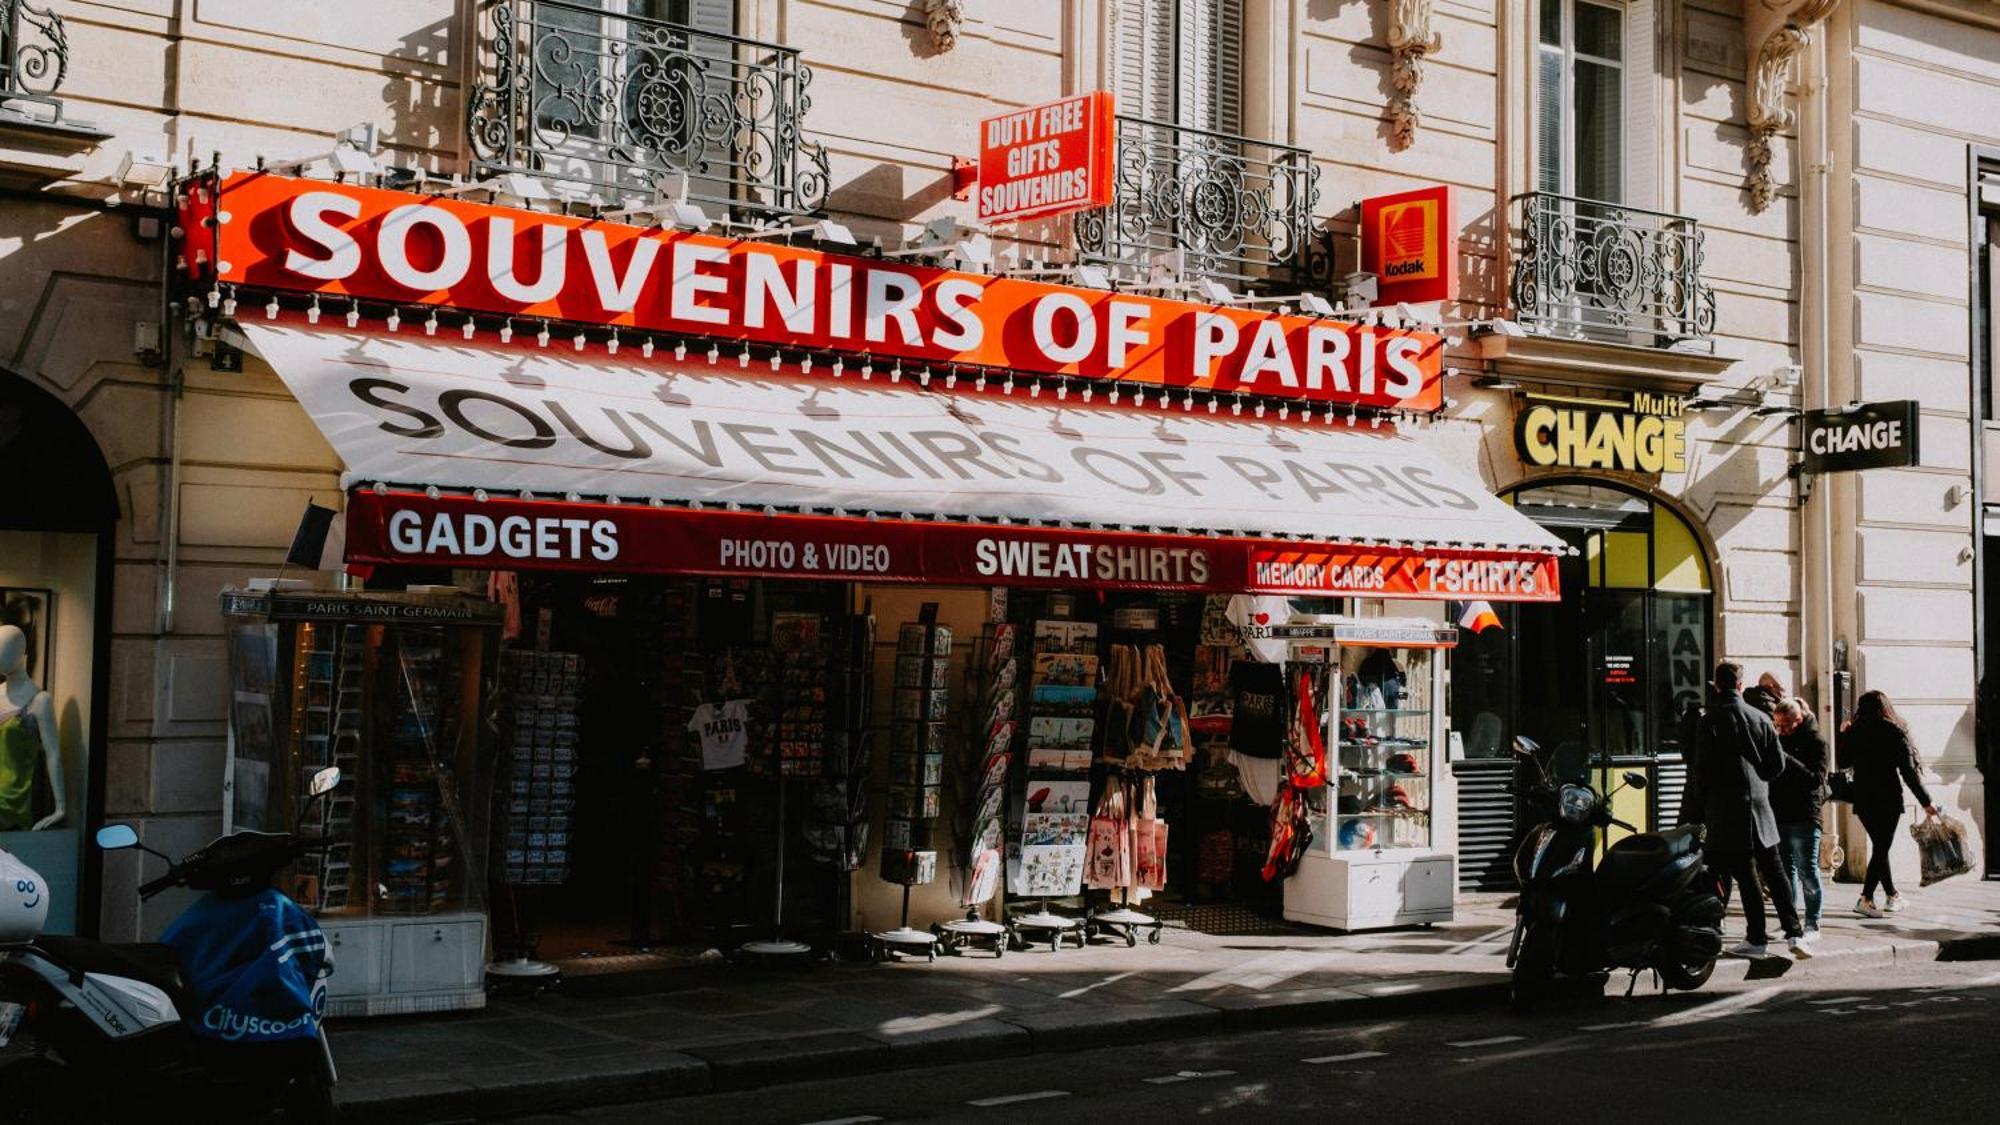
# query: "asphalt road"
{"points": [[1913, 1043]]}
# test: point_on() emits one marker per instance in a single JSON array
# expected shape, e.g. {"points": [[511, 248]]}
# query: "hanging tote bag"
{"points": [[1149, 841], [1305, 748], [1121, 692], [1108, 863], [1159, 719], [1291, 834]]}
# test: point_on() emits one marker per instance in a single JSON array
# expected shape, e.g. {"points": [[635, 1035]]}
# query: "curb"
{"points": [[555, 1087]]}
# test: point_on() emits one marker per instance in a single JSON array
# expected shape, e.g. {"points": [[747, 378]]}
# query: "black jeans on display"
{"points": [[1742, 868], [1881, 834]]}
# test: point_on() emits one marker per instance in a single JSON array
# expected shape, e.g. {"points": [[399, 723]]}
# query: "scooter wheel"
{"points": [[309, 1100], [1682, 977]]}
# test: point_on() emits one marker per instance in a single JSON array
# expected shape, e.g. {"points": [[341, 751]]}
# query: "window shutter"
{"points": [[718, 16], [1549, 116], [1142, 33], [1642, 109], [1210, 89]]}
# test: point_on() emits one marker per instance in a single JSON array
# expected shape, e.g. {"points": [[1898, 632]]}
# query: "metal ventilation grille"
{"points": [[1670, 774], [1485, 825]]}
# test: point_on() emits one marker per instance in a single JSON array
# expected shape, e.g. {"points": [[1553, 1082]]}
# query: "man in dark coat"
{"points": [[1796, 797], [1739, 755]]}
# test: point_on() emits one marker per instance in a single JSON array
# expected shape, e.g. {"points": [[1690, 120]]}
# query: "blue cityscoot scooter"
{"points": [[221, 1019]]}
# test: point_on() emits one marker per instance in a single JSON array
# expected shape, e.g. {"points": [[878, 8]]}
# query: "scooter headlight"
{"points": [[1575, 804]]}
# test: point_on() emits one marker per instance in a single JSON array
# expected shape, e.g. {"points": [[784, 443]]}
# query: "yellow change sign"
{"points": [[1647, 435]]}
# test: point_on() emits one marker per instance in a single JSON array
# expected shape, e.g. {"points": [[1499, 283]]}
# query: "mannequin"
{"points": [[27, 737]]}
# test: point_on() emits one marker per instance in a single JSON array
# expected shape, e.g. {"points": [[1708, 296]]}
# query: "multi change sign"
{"points": [[1862, 435], [1647, 434]]}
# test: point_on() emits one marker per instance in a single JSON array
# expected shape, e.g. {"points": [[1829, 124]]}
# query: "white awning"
{"points": [[414, 410]]}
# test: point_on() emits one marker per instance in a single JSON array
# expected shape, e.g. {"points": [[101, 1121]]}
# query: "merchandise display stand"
{"points": [[777, 945], [986, 763], [916, 772], [905, 938], [521, 971], [1373, 861], [1042, 924], [954, 936], [1123, 921], [1046, 857]]}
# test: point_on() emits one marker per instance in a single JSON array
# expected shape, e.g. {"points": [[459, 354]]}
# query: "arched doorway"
{"points": [[58, 512], [1602, 677]]}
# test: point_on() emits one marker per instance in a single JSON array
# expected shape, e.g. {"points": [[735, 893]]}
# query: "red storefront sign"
{"points": [[1409, 241], [1046, 159], [338, 240], [412, 528]]}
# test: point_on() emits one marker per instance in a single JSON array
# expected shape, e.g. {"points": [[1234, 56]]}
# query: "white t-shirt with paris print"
{"points": [[724, 730]]}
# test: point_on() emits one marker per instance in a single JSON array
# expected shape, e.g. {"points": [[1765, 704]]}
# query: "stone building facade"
{"points": [[1670, 106]]}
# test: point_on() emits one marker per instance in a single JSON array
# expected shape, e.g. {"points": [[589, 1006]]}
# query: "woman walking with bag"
{"points": [[1884, 761]]}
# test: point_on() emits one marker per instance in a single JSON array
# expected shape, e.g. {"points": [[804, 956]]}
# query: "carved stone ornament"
{"points": [[1410, 40], [1776, 33], [945, 18]]}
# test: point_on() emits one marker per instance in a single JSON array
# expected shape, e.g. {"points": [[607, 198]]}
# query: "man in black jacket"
{"points": [[1739, 755], [1796, 797]]}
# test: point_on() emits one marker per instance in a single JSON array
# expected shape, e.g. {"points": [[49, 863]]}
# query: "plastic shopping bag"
{"points": [[1941, 843]]}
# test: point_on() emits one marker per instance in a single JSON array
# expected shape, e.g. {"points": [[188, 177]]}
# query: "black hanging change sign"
{"points": [[1866, 435]]}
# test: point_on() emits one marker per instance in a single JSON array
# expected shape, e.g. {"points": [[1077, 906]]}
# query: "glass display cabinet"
{"points": [[1374, 859], [391, 688]]}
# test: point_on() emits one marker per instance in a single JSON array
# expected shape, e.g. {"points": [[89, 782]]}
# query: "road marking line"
{"points": [[1076, 992], [1611, 1026], [1011, 1099], [862, 1119], [1837, 1000], [1491, 1041], [1188, 1076], [1728, 1006], [1351, 1056]]}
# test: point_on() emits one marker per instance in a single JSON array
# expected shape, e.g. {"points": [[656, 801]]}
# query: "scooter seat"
{"points": [[148, 962], [1635, 859]]}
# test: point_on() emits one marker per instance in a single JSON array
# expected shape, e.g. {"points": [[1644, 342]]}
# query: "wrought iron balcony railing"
{"points": [[1604, 271], [1240, 209], [611, 102], [34, 54]]}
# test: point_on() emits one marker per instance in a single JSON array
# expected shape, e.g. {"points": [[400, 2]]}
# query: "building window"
{"points": [[1580, 100], [1180, 62]]}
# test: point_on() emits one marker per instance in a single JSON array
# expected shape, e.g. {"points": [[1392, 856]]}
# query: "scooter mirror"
{"points": [[324, 781], [1635, 780], [1525, 746], [117, 837]]}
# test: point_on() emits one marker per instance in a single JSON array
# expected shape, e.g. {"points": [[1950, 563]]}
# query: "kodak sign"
{"points": [[408, 250], [1409, 241]]}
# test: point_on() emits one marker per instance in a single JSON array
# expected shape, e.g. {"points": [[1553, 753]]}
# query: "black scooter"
{"points": [[1651, 903]]}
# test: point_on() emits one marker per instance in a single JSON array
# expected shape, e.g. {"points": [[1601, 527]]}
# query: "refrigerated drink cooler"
{"points": [[392, 689], [1377, 856]]}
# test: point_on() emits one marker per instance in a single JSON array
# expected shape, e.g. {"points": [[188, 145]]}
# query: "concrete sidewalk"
{"points": [[607, 1039]]}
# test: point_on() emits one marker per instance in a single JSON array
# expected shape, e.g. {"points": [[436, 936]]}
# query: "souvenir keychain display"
{"points": [[922, 700]]}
